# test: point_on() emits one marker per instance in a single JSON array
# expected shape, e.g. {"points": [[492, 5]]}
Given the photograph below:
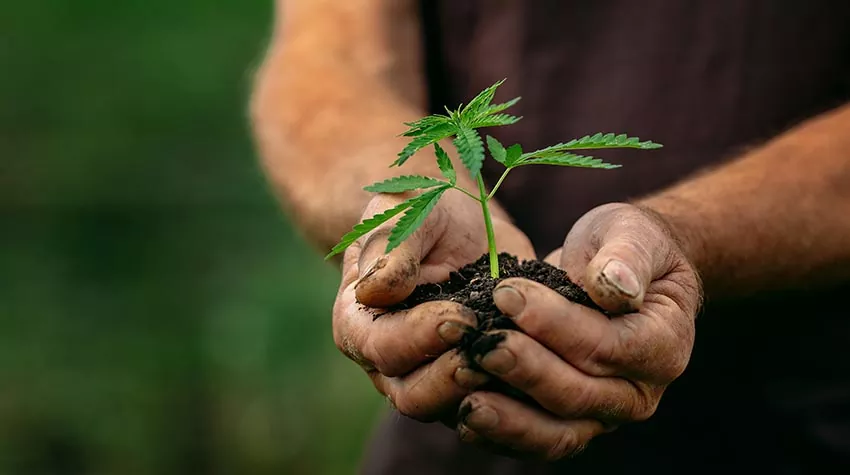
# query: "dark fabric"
{"points": [[768, 387]]}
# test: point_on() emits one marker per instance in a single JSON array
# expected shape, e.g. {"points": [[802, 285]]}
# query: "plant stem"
{"points": [[498, 183], [488, 224], [466, 193]]}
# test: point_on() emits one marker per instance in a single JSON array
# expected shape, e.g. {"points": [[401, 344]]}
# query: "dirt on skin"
{"points": [[473, 286]]}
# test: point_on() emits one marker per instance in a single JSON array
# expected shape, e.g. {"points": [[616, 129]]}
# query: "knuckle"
{"points": [[378, 356], [566, 445], [574, 401], [410, 407], [646, 405]]}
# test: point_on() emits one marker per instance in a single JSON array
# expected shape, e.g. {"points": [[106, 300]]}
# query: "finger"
{"points": [[398, 342], [617, 259], [386, 279], [501, 420], [562, 389], [584, 337], [433, 391]]}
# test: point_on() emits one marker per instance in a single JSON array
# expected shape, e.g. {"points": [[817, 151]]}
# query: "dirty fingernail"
{"points": [[498, 361], [482, 418], [378, 264], [451, 332], [469, 379], [509, 300], [620, 276]]}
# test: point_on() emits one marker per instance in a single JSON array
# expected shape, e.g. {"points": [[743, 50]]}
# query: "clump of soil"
{"points": [[473, 287]]}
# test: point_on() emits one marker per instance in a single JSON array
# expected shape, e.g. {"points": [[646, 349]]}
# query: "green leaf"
{"points": [[570, 160], [497, 150], [597, 141], [513, 154], [497, 120], [420, 126], [369, 224], [403, 183], [496, 108], [471, 150], [427, 137], [445, 164], [479, 103], [414, 217]]}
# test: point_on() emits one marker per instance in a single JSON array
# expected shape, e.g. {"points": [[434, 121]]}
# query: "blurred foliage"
{"points": [[157, 313]]}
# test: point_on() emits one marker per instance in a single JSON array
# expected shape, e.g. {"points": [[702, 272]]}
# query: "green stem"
{"points": [[466, 193], [488, 224], [498, 184]]}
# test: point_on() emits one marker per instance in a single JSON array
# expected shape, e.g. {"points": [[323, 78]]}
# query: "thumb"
{"points": [[631, 251], [388, 279]]}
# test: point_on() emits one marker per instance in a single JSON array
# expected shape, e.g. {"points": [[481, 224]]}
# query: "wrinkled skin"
{"points": [[589, 373], [409, 355]]}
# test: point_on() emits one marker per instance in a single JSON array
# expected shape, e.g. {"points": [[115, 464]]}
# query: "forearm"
{"points": [[775, 218], [329, 103]]}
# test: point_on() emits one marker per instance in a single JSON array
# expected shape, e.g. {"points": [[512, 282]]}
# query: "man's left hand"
{"points": [[587, 371]]}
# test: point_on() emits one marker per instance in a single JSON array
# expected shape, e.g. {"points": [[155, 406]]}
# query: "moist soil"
{"points": [[472, 286]]}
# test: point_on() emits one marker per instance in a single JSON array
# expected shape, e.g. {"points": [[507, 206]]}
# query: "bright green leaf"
{"points": [[513, 154], [403, 183], [471, 150], [497, 150], [367, 225], [497, 120], [414, 217], [445, 164], [429, 136], [569, 160]]}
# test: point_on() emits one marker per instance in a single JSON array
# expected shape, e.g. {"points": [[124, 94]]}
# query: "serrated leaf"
{"points": [[513, 154], [420, 126], [479, 103], [496, 120], [445, 164], [497, 150], [570, 160], [414, 217], [596, 141], [496, 108], [367, 225], [431, 135], [471, 150], [403, 183]]}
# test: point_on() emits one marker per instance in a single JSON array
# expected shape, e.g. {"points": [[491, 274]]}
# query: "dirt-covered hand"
{"points": [[587, 371], [408, 354]]}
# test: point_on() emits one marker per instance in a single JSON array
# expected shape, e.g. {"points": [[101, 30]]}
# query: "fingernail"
{"points": [[498, 361], [482, 417], [469, 379], [376, 265], [509, 300], [464, 434], [620, 276], [451, 332]]}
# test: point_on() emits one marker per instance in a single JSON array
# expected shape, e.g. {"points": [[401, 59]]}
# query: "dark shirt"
{"points": [[768, 386]]}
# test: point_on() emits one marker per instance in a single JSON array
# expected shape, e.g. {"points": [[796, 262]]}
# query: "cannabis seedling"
{"points": [[462, 124]]}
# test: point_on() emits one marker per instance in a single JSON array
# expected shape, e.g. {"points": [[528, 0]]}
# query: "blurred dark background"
{"points": [[158, 315]]}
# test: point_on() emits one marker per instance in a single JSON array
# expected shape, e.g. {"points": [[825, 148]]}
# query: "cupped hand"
{"points": [[407, 354], [589, 372]]}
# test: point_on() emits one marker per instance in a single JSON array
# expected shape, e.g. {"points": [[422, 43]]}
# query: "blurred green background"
{"points": [[157, 313]]}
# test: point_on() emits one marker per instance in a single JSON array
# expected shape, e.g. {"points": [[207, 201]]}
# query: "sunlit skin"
{"points": [[340, 78]]}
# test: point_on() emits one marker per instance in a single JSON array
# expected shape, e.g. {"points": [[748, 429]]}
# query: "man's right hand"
{"points": [[406, 353]]}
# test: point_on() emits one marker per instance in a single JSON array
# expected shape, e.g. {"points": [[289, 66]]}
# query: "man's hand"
{"points": [[406, 353], [588, 372]]}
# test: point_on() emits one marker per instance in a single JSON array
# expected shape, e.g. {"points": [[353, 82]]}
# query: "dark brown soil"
{"points": [[473, 287]]}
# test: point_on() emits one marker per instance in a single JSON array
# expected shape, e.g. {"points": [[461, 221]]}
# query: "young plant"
{"points": [[461, 125]]}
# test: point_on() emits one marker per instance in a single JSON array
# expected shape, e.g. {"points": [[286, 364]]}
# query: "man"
{"points": [[749, 201]]}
